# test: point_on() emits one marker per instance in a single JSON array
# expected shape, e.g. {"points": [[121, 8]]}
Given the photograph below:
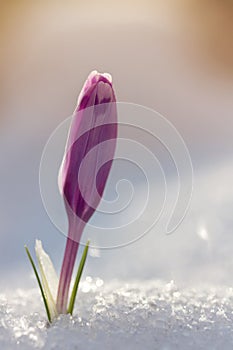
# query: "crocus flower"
{"points": [[86, 165], [82, 178]]}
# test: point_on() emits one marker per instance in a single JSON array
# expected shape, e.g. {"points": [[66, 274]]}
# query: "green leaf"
{"points": [[39, 283], [77, 279]]}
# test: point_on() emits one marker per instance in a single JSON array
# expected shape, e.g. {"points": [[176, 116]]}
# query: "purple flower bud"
{"points": [[86, 165]]}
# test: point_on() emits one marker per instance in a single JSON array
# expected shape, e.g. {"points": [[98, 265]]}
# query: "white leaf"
{"points": [[49, 278]]}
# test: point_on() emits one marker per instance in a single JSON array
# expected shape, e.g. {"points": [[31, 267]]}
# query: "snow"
{"points": [[114, 315]]}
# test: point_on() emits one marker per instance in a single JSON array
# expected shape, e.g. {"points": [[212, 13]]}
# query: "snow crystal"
{"points": [[116, 315]]}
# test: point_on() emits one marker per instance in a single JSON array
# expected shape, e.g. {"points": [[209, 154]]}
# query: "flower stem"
{"points": [[66, 275]]}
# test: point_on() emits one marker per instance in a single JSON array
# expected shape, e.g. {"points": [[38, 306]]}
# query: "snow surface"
{"points": [[116, 315]]}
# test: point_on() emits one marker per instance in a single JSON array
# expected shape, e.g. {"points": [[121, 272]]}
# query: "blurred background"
{"points": [[175, 57]]}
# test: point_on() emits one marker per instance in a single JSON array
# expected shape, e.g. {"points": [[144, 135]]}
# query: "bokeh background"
{"points": [[173, 56]]}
